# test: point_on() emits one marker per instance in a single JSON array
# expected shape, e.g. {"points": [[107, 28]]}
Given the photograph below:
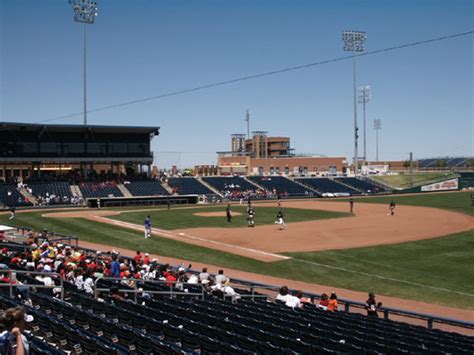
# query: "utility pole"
{"points": [[411, 169]]}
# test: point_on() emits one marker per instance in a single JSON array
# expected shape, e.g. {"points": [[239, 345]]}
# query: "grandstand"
{"points": [[281, 185], [162, 319], [100, 189], [10, 196], [45, 191], [232, 187], [444, 163], [327, 186], [188, 186], [361, 185], [146, 188]]}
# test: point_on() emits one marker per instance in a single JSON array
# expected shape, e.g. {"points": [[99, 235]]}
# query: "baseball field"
{"points": [[424, 252]]}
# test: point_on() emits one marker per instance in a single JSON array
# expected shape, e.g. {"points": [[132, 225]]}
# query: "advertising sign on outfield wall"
{"points": [[440, 186]]}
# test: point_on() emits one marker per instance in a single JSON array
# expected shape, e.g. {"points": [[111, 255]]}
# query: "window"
{"points": [[30, 147], [71, 148], [47, 147], [25, 173], [287, 170], [278, 170], [115, 148], [93, 147]]}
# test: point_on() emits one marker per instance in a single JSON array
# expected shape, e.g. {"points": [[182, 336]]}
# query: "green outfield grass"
{"points": [[454, 201], [179, 218], [403, 180], [416, 270]]}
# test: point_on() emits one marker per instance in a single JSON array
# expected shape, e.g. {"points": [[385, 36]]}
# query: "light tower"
{"points": [[377, 127], [364, 97], [354, 42], [247, 119], [85, 11]]}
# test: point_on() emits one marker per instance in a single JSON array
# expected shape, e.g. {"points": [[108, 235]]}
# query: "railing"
{"points": [[172, 292], [13, 279], [387, 311]]}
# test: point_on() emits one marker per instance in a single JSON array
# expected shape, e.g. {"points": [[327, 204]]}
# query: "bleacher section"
{"points": [[281, 184], [361, 185], [44, 189], [231, 183], [146, 188], [466, 180], [99, 189], [188, 186], [213, 326], [208, 324], [447, 163], [10, 196], [427, 163], [327, 186]]}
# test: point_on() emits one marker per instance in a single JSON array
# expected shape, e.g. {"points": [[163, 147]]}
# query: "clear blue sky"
{"points": [[141, 48]]}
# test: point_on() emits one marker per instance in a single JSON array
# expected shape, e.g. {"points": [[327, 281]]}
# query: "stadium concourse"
{"points": [[81, 304]]}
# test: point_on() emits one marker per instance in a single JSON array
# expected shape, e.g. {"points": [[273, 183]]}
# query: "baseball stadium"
{"points": [[262, 251]]}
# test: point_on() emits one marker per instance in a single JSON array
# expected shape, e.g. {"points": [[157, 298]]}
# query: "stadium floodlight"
{"points": [[85, 11], [364, 97], [354, 42], [377, 127]]}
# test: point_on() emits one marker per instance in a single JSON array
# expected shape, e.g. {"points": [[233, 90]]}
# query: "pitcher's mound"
{"points": [[215, 214]]}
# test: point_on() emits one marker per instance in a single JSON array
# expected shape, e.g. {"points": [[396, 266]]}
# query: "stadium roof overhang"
{"points": [[35, 127]]}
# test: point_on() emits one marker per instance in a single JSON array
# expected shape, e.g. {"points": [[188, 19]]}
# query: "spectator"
{"points": [[293, 301], [12, 341], [283, 294], [115, 294], [220, 276], [89, 282], [372, 306], [324, 303], [332, 305], [115, 267], [302, 298], [204, 275]]}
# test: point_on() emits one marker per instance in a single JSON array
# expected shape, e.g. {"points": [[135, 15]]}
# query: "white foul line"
{"points": [[187, 236], [383, 277]]}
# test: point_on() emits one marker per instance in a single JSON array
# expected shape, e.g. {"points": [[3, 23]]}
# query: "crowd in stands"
{"points": [[81, 268]]}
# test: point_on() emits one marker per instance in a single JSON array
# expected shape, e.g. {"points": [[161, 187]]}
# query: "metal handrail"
{"points": [[135, 290], [11, 284], [431, 319]]}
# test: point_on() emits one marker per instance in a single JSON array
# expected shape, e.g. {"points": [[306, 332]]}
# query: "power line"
{"points": [[260, 75]]}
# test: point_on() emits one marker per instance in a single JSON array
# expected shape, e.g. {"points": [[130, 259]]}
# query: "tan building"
{"points": [[260, 146], [294, 166]]}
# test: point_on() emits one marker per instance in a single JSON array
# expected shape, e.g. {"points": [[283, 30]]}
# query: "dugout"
{"points": [[142, 201]]}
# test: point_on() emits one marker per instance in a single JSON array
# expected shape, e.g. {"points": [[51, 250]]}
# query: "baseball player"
{"points": [[280, 220], [147, 225], [228, 214], [392, 208], [12, 213], [351, 204], [251, 217]]}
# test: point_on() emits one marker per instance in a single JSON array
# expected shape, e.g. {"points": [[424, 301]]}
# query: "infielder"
{"points": [[280, 220], [147, 225]]}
